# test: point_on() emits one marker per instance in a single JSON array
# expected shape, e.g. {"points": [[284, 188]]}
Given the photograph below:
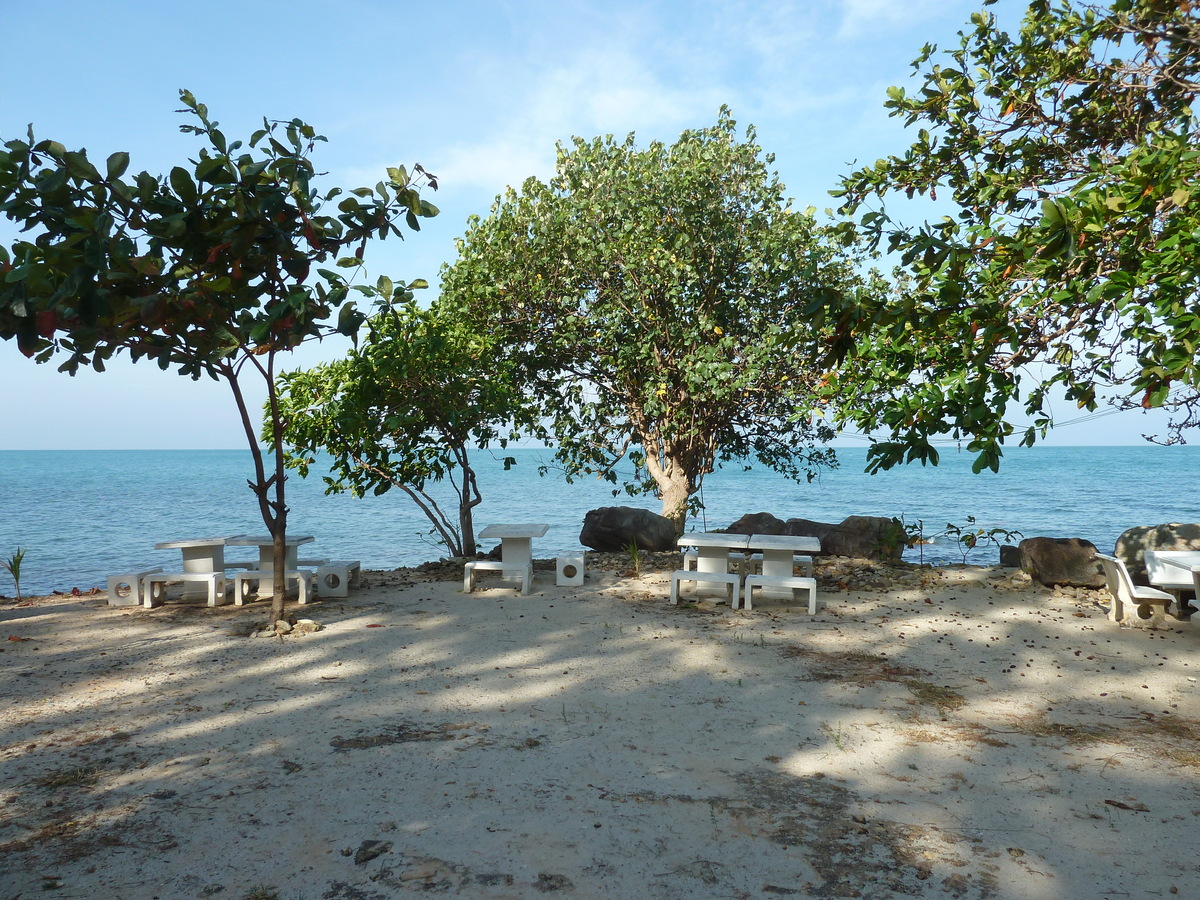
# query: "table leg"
{"points": [[205, 560], [516, 557], [777, 564]]}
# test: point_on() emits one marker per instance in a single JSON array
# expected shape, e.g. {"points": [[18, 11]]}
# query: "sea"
{"points": [[82, 515]]}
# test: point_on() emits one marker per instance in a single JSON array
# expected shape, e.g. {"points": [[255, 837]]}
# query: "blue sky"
{"points": [[476, 92]]}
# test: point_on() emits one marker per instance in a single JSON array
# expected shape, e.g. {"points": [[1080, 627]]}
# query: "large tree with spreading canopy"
{"points": [[211, 269], [656, 301], [1066, 157]]}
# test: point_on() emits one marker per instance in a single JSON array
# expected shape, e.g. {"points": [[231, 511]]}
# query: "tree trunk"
{"points": [[675, 491], [468, 499]]}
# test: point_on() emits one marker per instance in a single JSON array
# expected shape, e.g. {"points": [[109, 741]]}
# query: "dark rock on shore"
{"points": [[1069, 561], [861, 537], [613, 528]]}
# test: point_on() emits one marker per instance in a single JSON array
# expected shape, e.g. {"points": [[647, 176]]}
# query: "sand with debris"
{"points": [[929, 733]]}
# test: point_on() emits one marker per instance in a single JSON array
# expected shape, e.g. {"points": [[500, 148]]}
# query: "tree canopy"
{"points": [[405, 408], [210, 269], [655, 301], [1067, 159]]}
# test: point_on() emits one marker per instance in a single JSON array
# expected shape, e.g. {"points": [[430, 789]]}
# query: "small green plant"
{"points": [[635, 558], [902, 533], [262, 892], [13, 565], [836, 735], [970, 536]]}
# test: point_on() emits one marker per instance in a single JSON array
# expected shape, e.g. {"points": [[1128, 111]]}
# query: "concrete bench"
{"points": [[523, 573], [1133, 604], [336, 577], [302, 577], [126, 590], [215, 582], [796, 583], [732, 580]]}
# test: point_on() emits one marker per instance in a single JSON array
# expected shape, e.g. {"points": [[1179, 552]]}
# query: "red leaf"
{"points": [[47, 322]]}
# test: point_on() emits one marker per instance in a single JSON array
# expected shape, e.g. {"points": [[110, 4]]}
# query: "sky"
{"points": [[478, 93]]}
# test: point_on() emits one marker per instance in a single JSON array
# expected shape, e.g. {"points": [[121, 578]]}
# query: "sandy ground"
{"points": [[929, 733]]}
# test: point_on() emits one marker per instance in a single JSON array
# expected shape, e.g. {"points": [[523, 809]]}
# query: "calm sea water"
{"points": [[83, 515]]}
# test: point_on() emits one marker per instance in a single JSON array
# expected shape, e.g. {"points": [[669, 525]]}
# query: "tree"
{"points": [[1068, 264], [404, 409], [655, 300], [209, 269]]}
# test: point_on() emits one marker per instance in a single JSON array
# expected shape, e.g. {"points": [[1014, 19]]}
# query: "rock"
{"points": [[1051, 561], [866, 537], [283, 626], [1010, 556], [758, 523], [306, 626], [1134, 542], [860, 537], [611, 529], [811, 529]]}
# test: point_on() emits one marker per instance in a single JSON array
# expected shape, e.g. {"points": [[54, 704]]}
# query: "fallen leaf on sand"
{"points": [[1136, 807]]}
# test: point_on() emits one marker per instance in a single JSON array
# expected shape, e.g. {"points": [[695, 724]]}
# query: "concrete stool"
{"points": [[569, 570], [336, 577], [126, 590]]}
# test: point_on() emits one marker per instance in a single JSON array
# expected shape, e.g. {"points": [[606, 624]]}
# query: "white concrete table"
{"points": [[713, 548], [266, 549], [1188, 561], [516, 552], [200, 555], [779, 551]]}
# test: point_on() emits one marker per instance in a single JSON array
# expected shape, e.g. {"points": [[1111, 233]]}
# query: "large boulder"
{"points": [[1134, 542], [1071, 561], [861, 537], [864, 537], [758, 523], [611, 529]]}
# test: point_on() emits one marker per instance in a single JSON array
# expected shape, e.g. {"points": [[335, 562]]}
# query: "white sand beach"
{"points": [[929, 733]]}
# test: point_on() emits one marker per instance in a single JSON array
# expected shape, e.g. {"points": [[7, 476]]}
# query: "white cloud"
{"points": [[874, 18]]}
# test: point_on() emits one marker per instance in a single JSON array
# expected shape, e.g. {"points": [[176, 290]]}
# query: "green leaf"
{"points": [[118, 163]]}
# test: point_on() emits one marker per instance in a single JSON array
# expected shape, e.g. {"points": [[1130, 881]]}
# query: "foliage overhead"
{"points": [[211, 269], [405, 408], [656, 300], [1070, 154]]}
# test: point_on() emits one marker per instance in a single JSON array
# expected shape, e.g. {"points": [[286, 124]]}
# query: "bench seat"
{"points": [[732, 580], [216, 582], [795, 582], [302, 577], [471, 570]]}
